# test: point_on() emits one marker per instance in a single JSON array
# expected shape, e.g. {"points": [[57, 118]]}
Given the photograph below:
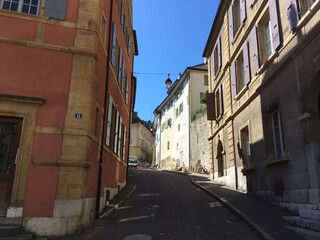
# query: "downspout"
{"points": [[104, 118]]}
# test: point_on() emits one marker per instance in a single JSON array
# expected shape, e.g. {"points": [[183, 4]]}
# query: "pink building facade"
{"points": [[66, 97]]}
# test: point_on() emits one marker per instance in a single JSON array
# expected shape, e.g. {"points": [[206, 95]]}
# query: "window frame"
{"points": [[277, 134], [20, 6]]}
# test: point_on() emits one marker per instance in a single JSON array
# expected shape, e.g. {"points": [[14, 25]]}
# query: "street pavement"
{"points": [[163, 205], [167, 206]]}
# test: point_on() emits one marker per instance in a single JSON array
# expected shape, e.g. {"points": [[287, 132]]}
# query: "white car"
{"points": [[133, 163]]}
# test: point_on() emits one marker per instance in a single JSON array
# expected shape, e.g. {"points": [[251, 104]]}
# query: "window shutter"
{"points": [[109, 121], [246, 63], [273, 10], [213, 71], [124, 143], [120, 137], [55, 9], [219, 53], [292, 13], [243, 13], [114, 45], [211, 111], [116, 133], [230, 24], [221, 99], [233, 79], [254, 50]]}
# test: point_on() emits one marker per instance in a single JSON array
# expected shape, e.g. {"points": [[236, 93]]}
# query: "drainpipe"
{"points": [[104, 118]]}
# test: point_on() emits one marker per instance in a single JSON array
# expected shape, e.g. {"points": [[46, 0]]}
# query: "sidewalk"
{"points": [[265, 218]]}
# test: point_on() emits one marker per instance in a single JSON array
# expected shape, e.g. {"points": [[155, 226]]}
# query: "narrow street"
{"points": [[168, 206]]}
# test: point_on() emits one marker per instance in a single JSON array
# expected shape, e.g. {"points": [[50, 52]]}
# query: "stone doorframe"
{"points": [[26, 109]]}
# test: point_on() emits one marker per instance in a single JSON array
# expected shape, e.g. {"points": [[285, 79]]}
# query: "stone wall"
{"points": [[200, 146]]}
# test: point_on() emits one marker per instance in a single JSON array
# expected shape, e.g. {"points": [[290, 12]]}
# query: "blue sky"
{"points": [[171, 37]]}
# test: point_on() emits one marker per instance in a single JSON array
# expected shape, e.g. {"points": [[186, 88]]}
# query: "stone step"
{"points": [[310, 214], [24, 236], [303, 223], [14, 232], [9, 229], [306, 234]]}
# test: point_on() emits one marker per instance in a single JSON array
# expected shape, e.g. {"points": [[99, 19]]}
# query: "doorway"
{"points": [[10, 132]]}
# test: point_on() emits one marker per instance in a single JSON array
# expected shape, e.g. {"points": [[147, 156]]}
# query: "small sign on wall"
{"points": [[78, 115]]}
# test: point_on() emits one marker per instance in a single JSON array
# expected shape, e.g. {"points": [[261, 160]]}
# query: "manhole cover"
{"points": [[138, 237]]}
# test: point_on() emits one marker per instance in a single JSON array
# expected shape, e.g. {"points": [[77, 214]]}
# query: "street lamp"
{"points": [[168, 82]]}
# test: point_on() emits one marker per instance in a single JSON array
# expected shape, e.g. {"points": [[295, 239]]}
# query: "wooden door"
{"points": [[10, 131]]}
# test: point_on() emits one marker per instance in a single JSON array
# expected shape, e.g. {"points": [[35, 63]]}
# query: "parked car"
{"points": [[133, 163]]}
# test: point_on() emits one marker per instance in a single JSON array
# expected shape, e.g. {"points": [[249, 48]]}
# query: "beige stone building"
{"points": [[173, 117], [142, 141], [264, 100]]}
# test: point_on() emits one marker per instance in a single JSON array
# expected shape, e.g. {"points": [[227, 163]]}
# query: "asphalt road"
{"points": [[168, 206]]}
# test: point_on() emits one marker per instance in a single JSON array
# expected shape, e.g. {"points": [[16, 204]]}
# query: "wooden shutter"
{"points": [[213, 70], [124, 143], [211, 111], [246, 63], [275, 31], [292, 13], [114, 45], [230, 16], [221, 99], [219, 53], [109, 121], [243, 13], [233, 79], [116, 136], [119, 152], [254, 50], [55, 9]]}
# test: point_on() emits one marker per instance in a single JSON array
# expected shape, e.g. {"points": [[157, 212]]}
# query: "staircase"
{"points": [[11, 229], [307, 224]]}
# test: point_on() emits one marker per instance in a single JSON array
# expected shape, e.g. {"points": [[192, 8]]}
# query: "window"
{"points": [[168, 145], [277, 134], [265, 38], [53, 8], [179, 128], [219, 101], [245, 152], [24, 6], [120, 68], [304, 6], [216, 58], [96, 122], [237, 15], [103, 31], [181, 108], [114, 45], [205, 83], [296, 9], [240, 71]]}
